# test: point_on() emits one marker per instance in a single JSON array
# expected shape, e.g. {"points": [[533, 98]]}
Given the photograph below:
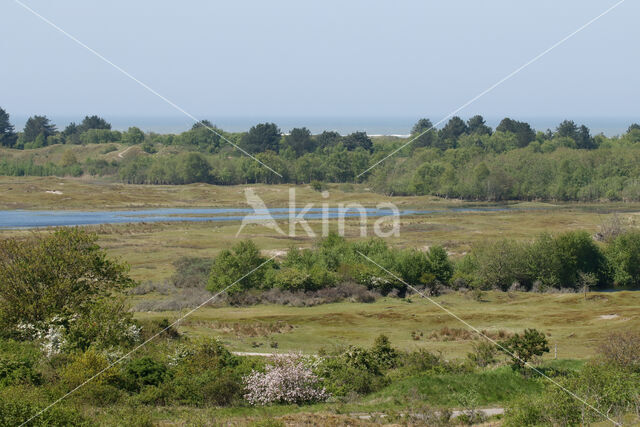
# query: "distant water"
{"points": [[610, 126], [35, 219]]}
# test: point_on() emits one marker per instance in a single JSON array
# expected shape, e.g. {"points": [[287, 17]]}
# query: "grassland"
{"points": [[150, 248], [577, 326]]}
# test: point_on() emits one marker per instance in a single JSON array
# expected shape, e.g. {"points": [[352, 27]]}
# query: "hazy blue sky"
{"points": [[322, 58]]}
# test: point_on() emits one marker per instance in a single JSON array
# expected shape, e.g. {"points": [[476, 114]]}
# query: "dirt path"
{"points": [[123, 152]]}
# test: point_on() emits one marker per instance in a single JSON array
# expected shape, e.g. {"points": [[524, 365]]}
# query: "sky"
{"points": [[262, 60]]}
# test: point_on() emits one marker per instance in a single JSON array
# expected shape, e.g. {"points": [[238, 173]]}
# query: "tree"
{"points": [[439, 264], [421, 126], [584, 138], [8, 136], [587, 281], [623, 254], [37, 125], [231, 266], [454, 128], [477, 125], [522, 348], [93, 122], [523, 131], [300, 141], [262, 137], [202, 124], [133, 136], [193, 167], [427, 133], [62, 274], [357, 140], [328, 139], [632, 127]]}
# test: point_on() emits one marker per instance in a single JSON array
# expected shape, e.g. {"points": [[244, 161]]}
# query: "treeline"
{"points": [[571, 261], [467, 160]]}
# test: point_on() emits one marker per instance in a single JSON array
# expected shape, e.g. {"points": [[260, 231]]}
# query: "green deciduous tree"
{"points": [[64, 273], [231, 266], [133, 136]]}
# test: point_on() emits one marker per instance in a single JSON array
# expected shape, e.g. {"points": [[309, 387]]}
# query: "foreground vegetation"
{"points": [[465, 160], [63, 321]]}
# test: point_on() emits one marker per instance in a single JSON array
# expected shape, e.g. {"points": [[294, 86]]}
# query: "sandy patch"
{"points": [[609, 316], [54, 192]]}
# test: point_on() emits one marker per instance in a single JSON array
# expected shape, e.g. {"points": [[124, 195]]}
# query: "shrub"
{"points": [[231, 266], [16, 409], [622, 349], [191, 272], [623, 254], [522, 348], [385, 355], [143, 372], [483, 354], [18, 364], [210, 387], [287, 380], [84, 366]]}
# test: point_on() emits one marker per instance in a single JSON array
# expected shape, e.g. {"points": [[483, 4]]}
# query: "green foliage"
{"points": [[358, 370], [64, 273], [232, 266], [613, 391], [144, 371], [483, 354], [93, 122], [623, 254], [38, 126], [550, 261], [18, 362], [523, 348], [262, 137], [8, 136], [133, 136], [16, 409]]}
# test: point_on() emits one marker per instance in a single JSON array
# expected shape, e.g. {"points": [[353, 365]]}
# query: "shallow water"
{"points": [[35, 219]]}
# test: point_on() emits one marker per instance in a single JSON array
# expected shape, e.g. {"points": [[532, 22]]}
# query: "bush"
{"points": [[287, 380], [623, 254], [143, 372], [15, 410], [622, 349], [18, 364], [522, 348], [483, 354], [191, 272], [231, 266]]}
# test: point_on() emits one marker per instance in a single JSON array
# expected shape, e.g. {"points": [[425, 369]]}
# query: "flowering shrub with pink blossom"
{"points": [[289, 379]]}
